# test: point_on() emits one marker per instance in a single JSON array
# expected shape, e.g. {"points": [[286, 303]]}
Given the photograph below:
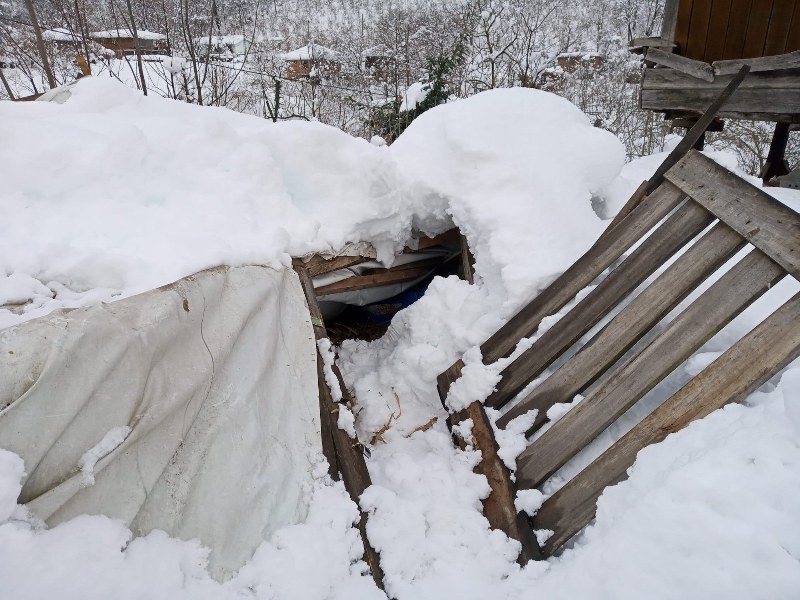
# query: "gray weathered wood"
{"points": [[683, 225], [361, 282], [319, 265], [467, 261], [607, 250], [666, 79], [744, 367], [706, 316], [747, 101], [498, 507], [790, 60], [669, 20], [640, 45], [704, 257], [763, 221], [348, 455], [695, 68]]}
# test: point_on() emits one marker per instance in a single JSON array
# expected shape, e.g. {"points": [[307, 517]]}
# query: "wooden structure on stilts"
{"points": [[710, 215], [703, 44]]}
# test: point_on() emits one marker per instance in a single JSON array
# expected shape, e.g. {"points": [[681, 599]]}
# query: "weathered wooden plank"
{"points": [[757, 25], [665, 79], [747, 101], [669, 20], [361, 282], [639, 45], [467, 261], [498, 507], [695, 68], [634, 201], [781, 62], [698, 30], [717, 30], [707, 315], [702, 259], [607, 250], [450, 236], [348, 455], [319, 265], [766, 223], [793, 39], [737, 29], [743, 368], [679, 229], [778, 31]]}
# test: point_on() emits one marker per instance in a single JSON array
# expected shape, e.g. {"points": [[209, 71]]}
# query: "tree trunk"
{"points": [[48, 71]]}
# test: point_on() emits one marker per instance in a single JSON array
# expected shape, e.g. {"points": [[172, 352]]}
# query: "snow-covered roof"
{"points": [[60, 34], [584, 55], [221, 40], [142, 34], [310, 52], [377, 51]]}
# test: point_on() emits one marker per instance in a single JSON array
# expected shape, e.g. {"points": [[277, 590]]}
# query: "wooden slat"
{"points": [[426, 264], [348, 455], [706, 316], [682, 22], [687, 222], [665, 79], [778, 31], [498, 507], [743, 368], [780, 62], [766, 101], [763, 221], [669, 20], [737, 29], [694, 68], [607, 250], [698, 30], [717, 30], [467, 261], [757, 26], [701, 260], [634, 201], [638, 45], [319, 265], [361, 282]]}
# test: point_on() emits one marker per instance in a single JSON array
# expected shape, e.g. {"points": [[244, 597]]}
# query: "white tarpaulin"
{"points": [[193, 408]]}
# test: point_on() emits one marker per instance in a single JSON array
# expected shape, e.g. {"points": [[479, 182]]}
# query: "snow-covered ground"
{"points": [[112, 193]]}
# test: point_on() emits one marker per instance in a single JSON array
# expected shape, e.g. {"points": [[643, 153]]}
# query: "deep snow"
{"points": [[128, 193]]}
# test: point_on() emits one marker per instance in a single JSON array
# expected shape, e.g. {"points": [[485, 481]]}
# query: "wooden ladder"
{"points": [[698, 204]]}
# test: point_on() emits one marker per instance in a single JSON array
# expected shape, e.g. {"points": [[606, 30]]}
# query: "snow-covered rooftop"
{"points": [[221, 40], [310, 52], [60, 34], [127, 33]]}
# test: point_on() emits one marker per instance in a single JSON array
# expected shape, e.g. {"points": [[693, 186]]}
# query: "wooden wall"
{"points": [[710, 30]]}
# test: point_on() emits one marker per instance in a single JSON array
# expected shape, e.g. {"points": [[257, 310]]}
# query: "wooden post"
{"points": [[338, 447], [775, 166]]}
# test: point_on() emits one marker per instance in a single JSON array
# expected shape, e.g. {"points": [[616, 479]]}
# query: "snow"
{"points": [[142, 34], [110, 441], [414, 94], [133, 192], [310, 52]]}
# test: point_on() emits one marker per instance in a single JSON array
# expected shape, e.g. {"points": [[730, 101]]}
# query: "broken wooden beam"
{"points": [[694, 68]]}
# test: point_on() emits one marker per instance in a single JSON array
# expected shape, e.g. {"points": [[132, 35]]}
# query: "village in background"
{"points": [[368, 67]]}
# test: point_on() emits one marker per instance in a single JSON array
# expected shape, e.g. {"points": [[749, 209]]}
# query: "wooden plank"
{"points": [[679, 229], [737, 29], [706, 316], [425, 264], [766, 101], [742, 369], [498, 508], [780, 62], [702, 259], [349, 457], [769, 225], [717, 30], [319, 265], [698, 30], [361, 282], [666, 79], [778, 31], [682, 23], [793, 39], [757, 26], [467, 261], [695, 68], [585, 270], [639, 45], [451, 236], [634, 201], [669, 21]]}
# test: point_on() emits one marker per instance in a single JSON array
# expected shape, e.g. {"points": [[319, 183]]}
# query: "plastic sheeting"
{"points": [[215, 375]]}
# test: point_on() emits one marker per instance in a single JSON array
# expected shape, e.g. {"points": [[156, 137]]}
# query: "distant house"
{"points": [[378, 62], [569, 62], [121, 42], [223, 47], [311, 61], [61, 36]]}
